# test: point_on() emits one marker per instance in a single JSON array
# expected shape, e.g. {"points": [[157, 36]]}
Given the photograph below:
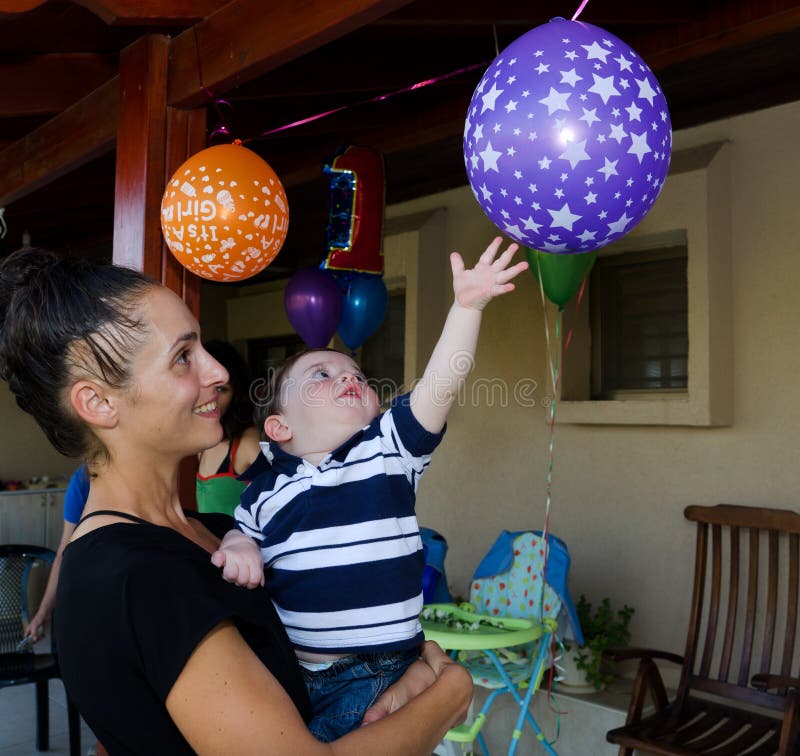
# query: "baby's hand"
{"points": [[240, 559], [488, 279]]}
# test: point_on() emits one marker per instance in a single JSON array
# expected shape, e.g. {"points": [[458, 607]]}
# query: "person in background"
{"points": [[74, 501], [159, 653], [218, 485]]}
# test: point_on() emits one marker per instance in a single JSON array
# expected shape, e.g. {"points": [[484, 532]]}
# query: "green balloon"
{"points": [[561, 274]]}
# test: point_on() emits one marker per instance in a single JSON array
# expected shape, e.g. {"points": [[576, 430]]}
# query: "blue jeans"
{"points": [[342, 693]]}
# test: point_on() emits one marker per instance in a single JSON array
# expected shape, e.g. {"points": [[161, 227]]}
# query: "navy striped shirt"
{"points": [[340, 541]]}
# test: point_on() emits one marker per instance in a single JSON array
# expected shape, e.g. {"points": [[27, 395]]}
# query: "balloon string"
{"points": [[378, 98], [578, 12]]}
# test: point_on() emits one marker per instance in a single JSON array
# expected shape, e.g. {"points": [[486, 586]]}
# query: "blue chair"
{"points": [[505, 634], [18, 564]]}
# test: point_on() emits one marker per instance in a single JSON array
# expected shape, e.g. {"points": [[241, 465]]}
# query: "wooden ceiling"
{"points": [[257, 66]]}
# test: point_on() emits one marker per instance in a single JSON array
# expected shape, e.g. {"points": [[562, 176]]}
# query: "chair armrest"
{"points": [[624, 654], [769, 682]]}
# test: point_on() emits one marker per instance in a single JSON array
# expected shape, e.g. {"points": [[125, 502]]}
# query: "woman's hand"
{"points": [[418, 677], [240, 560]]}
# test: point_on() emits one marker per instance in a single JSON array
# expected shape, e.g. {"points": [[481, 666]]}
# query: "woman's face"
{"points": [[171, 408]]}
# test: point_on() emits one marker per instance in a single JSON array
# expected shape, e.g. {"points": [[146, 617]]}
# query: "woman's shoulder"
{"points": [[247, 450]]}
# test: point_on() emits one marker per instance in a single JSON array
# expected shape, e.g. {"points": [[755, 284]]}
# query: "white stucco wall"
{"points": [[619, 492]]}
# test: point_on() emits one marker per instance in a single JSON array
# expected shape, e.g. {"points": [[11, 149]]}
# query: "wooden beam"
{"points": [[46, 84], [81, 133], [512, 12], [140, 154], [19, 6], [723, 28], [150, 12], [247, 38]]}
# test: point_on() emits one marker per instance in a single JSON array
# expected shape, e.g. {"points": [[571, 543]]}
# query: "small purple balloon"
{"points": [[568, 138], [313, 303]]}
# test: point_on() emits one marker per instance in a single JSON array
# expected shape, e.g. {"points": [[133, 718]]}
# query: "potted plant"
{"points": [[602, 628]]}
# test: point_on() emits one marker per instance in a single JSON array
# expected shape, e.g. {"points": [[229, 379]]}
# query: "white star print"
{"points": [[490, 157], [474, 159], [571, 54], [591, 198], [595, 52], [639, 146], [555, 101], [575, 153], [633, 112], [542, 68], [511, 105], [604, 87], [617, 132], [531, 224], [619, 225], [490, 98], [624, 63], [513, 231], [646, 92], [544, 163], [487, 195], [587, 235], [570, 77], [478, 132], [590, 116], [563, 218], [609, 169]]}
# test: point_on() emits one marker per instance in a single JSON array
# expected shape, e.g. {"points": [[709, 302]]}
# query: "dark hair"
{"points": [[62, 319], [270, 402], [239, 415]]}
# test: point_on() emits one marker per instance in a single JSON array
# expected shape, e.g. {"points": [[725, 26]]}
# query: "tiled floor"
{"points": [[18, 722]]}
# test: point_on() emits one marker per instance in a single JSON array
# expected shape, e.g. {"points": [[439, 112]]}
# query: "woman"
{"points": [[160, 654], [74, 501], [218, 485]]}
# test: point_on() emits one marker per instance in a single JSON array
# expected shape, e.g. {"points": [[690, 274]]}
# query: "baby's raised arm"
{"points": [[454, 354], [240, 560]]}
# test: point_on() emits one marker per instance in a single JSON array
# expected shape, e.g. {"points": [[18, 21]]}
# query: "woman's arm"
{"points": [[226, 701], [38, 624]]}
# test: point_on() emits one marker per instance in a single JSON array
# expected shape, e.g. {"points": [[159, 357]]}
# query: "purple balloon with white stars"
{"points": [[567, 139]]}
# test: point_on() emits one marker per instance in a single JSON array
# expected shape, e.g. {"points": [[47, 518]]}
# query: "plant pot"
{"points": [[573, 679]]}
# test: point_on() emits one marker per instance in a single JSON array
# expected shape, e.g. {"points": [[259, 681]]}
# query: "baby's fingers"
{"points": [[218, 559]]}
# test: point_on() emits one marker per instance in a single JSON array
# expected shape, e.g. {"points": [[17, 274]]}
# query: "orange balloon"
{"points": [[224, 213]]}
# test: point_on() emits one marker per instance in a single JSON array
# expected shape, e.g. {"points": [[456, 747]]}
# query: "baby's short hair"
{"points": [[270, 403]]}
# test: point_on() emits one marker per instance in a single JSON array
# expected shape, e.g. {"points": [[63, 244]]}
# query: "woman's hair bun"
{"points": [[19, 269]]}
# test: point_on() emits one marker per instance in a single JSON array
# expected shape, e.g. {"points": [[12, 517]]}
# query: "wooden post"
{"points": [[152, 141], [141, 142]]}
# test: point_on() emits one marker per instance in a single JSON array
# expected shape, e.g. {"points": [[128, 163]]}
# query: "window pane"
{"points": [[642, 319]]}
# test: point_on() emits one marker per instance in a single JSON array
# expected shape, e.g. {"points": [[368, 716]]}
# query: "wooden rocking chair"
{"points": [[744, 619]]}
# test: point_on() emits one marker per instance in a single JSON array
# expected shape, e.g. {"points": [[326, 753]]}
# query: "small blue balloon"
{"points": [[363, 310]]}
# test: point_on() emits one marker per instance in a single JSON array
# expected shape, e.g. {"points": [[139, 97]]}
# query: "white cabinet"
{"points": [[32, 517]]}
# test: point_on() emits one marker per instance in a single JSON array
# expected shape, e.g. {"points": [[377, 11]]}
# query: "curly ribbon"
{"points": [[580, 9], [3, 227], [554, 366]]}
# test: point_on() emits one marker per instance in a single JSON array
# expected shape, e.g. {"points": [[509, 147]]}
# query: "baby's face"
{"points": [[325, 399]]}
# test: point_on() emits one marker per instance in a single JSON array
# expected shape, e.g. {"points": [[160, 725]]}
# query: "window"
{"points": [[654, 344], [639, 323], [267, 353], [383, 353]]}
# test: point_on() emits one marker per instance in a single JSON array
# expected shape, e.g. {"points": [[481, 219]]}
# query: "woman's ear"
{"points": [[93, 404], [276, 430]]}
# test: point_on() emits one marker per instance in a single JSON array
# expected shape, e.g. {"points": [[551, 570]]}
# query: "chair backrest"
{"points": [[509, 582], [23, 575], [744, 611]]}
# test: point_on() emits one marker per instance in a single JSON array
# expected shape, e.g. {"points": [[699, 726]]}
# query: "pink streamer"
{"points": [[378, 98]]}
